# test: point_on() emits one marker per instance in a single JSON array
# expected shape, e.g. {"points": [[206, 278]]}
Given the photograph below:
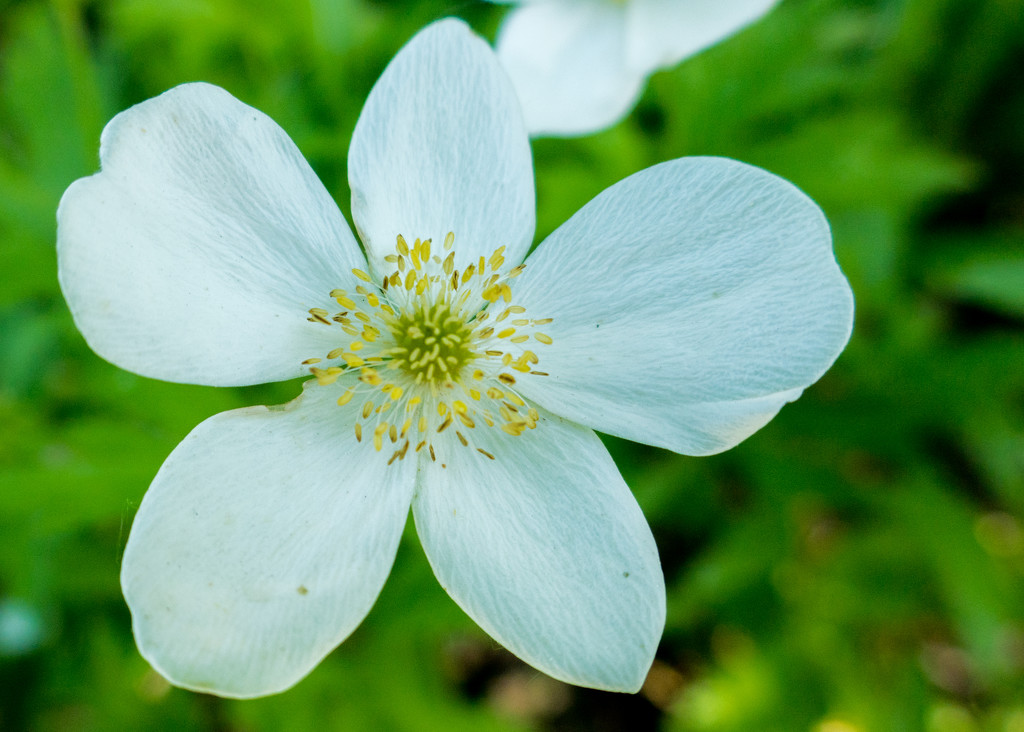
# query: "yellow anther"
{"points": [[367, 410], [356, 346], [422, 424], [519, 339], [449, 240], [346, 397], [369, 376], [326, 377], [506, 379], [485, 453], [543, 338], [362, 275], [402, 247], [361, 316], [396, 393], [442, 409], [311, 361], [336, 353], [466, 420], [462, 438], [446, 424], [346, 302], [359, 432], [491, 294], [352, 360]]}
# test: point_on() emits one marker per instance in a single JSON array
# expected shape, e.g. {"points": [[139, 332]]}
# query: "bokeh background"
{"points": [[855, 566]]}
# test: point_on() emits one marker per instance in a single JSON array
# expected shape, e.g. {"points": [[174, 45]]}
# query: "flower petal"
{"points": [[547, 550], [261, 545], [567, 61], [440, 147], [195, 253], [690, 302], [664, 32]]}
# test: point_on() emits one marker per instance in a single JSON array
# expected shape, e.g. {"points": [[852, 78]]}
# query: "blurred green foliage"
{"points": [[855, 566]]}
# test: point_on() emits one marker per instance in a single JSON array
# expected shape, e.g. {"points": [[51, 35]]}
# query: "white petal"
{"points": [[196, 252], [440, 147], [690, 302], [547, 550], [664, 32], [567, 61], [262, 543]]}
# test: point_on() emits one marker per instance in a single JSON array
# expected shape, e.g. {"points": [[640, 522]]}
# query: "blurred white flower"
{"points": [[682, 308], [579, 66]]}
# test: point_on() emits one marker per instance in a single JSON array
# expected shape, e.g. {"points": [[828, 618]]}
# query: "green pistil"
{"points": [[432, 344]]}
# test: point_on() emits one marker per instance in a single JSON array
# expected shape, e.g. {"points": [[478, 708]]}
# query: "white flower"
{"points": [[579, 65], [682, 308]]}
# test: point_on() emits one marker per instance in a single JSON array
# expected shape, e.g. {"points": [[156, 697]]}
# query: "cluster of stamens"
{"points": [[429, 360]]}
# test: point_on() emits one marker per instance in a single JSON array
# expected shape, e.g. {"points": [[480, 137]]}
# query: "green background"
{"points": [[855, 566]]}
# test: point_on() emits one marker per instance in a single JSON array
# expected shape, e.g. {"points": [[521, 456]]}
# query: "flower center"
{"points": [[432, 344], [430, 352]]}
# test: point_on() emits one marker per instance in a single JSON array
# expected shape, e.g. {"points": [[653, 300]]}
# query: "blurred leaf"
{"points": [[988, 270]]}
